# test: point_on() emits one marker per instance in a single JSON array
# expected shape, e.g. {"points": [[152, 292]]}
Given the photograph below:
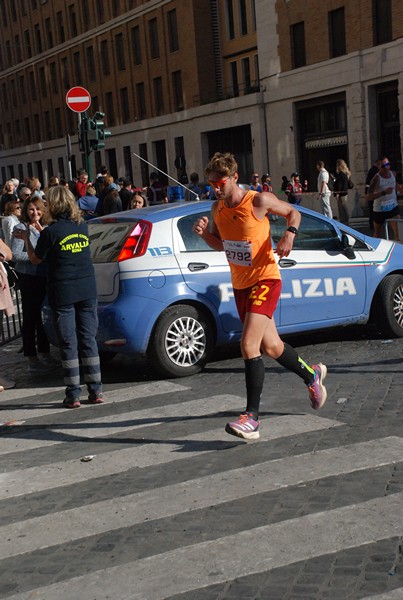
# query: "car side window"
{"points": [[313, 233], [191, 241]]}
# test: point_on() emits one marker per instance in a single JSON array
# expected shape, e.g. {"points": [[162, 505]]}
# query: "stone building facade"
{"points": [[281, 83]]}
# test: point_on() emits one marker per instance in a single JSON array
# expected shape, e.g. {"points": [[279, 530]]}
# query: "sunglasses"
{"points": [[387, 164], [218, 184]]}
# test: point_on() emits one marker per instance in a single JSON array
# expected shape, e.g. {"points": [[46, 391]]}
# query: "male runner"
{"points": [[241, 228]]}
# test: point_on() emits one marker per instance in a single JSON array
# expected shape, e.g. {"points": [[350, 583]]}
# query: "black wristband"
{"points": [[383, 193], [292, 230]]}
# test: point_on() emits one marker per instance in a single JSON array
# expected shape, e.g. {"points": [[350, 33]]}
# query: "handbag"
{"points": [[11, 275], [350, 183]]}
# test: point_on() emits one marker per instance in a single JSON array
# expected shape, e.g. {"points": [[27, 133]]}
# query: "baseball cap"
{"points": [[295, 174]]}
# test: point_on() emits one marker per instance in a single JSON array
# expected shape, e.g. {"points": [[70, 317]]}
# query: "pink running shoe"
{"points": [[245, 427], [317, 391]]}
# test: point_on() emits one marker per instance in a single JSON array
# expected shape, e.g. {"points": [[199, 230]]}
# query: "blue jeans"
{"points": [[76, 327]]}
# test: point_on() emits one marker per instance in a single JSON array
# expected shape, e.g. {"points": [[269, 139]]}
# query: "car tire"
{"points": [[181, 342], [389, 307]]}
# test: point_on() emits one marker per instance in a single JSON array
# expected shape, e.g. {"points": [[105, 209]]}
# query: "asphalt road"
{"points": [[166, 505]]}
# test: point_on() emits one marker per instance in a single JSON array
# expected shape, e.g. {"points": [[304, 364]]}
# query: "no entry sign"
{"points": [[78, 99]]}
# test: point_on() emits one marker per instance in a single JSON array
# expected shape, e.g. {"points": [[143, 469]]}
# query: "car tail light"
{"points": [[137, 242]]}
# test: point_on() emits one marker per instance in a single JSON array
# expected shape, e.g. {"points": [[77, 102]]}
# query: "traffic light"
{"points": [[82, 135], [96, 132]]}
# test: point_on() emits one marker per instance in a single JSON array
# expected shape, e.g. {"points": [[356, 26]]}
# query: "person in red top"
{"points": [[81, 186], [294, 190], [241, 228]]}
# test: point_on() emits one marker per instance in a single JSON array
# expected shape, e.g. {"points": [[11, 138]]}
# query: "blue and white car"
{"points": [[164, 293]]}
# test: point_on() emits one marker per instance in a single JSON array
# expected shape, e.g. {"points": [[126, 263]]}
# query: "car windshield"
{"points": [[107, 239]]}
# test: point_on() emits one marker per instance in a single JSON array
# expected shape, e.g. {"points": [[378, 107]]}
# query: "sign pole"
{"points": [[68, 151]]}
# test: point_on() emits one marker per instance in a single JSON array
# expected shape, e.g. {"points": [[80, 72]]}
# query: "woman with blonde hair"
{"points": [[341, 190], [72, 293]]}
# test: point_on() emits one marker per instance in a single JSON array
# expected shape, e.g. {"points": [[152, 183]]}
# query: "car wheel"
{"points": [[181, 342], [389, 310]]}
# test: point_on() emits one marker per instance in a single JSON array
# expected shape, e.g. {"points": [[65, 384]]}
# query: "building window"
{"points": [[158, 96], [48, 126], [60, 27], [173, 31], [110, 113], [154, 42], [382, 20], [256, 68], [246, 80], [141, 100], [27, 42], [32, 86], [77, 67], [177, 89], [100, 11], [124, 105], [4, 95], [34, 4], [27, 130], [65, 73], [42, 79], [233, 73], [105, 57], [23, 8], [38, 38], [37, 127], [49, 34], [1, 59], [337, 32], [58, 123], [120, 52], [73, 21], [243, 19], [17, 46], [298, 45], [230, 19], [136, 45], [253, 11], [22, 89], [3, 9], [53, 78], [9, 53], [13, 11], [91, 71], [115, 8], [127, 159]]}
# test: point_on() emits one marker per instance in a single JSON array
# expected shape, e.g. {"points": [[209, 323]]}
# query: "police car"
{"points": [[164, 293]]}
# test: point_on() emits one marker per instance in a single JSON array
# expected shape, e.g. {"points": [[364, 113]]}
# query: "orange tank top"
{"points": [[247, 243]]}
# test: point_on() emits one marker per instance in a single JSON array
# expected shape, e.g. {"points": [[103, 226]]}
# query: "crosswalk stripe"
{"points": [[109, 425], [396, 594], [234, 556], [59, 528], [118, 395], [64, 473]]}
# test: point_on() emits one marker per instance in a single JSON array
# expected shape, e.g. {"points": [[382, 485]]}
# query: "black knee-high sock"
{"points": [[291, 361], [254, 378]]}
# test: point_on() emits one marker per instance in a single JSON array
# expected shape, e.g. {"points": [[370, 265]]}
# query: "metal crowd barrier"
{"points": [[11, 326]]}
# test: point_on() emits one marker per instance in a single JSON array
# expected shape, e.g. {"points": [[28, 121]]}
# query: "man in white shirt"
{"points": [[323, 189]]}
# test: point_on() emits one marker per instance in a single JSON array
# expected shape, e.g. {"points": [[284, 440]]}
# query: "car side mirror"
{"points": [[347, 247]]}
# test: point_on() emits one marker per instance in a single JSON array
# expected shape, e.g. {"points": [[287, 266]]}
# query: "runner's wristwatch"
{"points": [[293, 230]]}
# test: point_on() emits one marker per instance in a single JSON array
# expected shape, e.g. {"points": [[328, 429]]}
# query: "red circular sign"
{"points": [[78, 99]]}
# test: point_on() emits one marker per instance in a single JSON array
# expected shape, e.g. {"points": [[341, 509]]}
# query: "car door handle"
{"points": [[287, 262], [197, 266]]}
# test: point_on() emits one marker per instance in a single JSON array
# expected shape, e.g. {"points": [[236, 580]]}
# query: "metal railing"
{"points": [[11, 326]]}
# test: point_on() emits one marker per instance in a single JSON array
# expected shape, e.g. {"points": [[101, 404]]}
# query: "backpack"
{"points": [[350, 183], [331, 182]]}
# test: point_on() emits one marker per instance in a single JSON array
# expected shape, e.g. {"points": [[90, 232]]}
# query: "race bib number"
{"points": [[238, 253]]}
